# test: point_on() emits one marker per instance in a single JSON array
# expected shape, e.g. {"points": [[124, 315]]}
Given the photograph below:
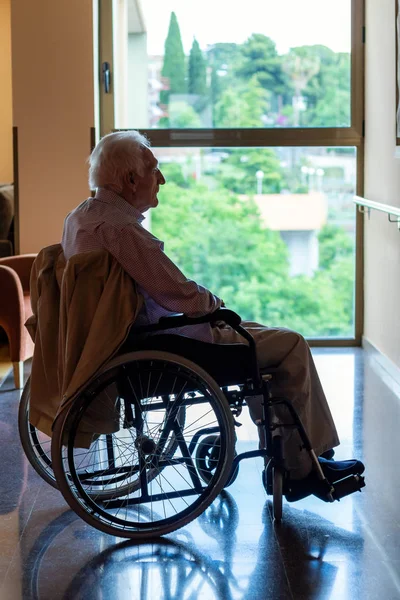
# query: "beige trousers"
{"points": [[297, 380]]}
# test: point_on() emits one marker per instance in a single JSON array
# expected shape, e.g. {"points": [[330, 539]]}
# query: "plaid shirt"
{"points": [[109, 222]]}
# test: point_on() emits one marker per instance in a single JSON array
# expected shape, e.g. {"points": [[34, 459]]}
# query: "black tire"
{"points": [[207, 457], [36, 445], [277, 477], [277, 491], [37, 448], [199, 395]]}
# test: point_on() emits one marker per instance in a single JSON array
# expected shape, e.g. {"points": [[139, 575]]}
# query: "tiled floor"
{"points": [[347, 550]]}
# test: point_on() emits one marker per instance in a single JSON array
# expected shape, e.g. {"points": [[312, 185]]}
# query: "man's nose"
{"points": [[161, 178]]}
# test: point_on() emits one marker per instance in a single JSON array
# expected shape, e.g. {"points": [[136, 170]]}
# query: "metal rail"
{"points": [[365, 206]]}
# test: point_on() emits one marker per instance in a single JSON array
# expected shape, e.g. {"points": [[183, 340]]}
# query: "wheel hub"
{"points": [[145, 444]]}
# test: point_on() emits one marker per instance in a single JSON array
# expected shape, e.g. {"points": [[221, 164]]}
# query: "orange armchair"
{"points": [[15, 308]]}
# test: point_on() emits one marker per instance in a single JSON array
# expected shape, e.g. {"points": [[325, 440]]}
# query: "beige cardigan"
{"points": [[82, 312]]}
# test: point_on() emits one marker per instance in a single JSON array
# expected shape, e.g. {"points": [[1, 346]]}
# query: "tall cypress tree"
{"points": [[197, 83], [174, 62]]}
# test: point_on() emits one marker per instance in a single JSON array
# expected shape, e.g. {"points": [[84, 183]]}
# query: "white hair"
{"points": [[115, 156]]}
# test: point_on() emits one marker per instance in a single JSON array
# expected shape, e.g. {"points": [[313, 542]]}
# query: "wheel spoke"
{"points": [[145, 477]]}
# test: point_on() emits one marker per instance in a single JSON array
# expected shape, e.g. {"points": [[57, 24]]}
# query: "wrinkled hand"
{"points": [[218, 324]]}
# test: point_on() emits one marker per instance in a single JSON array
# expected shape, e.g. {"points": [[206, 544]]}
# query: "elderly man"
{"points": [[125, 174]]}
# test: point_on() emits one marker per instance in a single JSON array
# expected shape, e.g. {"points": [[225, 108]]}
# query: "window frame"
{"points": [[264, 137]]}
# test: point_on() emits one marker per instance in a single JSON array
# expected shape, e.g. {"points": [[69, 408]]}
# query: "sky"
{"points": [[288, 22]]}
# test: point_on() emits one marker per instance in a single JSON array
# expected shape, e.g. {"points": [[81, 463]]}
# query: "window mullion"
{"points": [[206, 138]]}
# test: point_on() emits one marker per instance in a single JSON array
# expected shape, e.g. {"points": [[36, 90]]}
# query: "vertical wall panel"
{"points": [[53, 109], [6, 156], [382, 182]]}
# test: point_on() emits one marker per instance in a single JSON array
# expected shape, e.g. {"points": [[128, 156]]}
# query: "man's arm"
{"points": [[141, 255]]}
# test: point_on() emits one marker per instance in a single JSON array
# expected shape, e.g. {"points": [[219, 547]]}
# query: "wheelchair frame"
{"points": [[258, 383]]}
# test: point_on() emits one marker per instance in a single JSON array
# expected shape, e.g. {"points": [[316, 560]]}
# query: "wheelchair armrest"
{"points": [[221, 314], [180, 320]]}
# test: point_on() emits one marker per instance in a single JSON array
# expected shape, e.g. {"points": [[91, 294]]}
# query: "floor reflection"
{"points": [[162, 569], [178, 567], [347, 550]]}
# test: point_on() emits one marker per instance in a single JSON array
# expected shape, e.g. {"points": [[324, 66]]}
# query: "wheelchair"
{"points": [[149, 443]]}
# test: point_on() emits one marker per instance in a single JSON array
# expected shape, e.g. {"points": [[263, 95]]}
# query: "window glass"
{"points": [[269, 230], [228, 64]]}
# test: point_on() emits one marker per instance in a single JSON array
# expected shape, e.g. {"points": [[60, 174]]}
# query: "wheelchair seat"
{"points": [[228, 364]]}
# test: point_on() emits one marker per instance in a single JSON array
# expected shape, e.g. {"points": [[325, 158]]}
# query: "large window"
{"points": [[270, 230], [255, 111], [229, 64]]}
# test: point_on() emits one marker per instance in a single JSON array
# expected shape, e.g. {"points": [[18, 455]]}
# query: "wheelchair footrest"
{"points": [[347, 485]]}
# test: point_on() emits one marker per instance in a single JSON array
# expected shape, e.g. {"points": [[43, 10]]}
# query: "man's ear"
{"points": [[130, 181]]}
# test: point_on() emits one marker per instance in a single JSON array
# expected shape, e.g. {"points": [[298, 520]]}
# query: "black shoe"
{"points": [[333, 471]]}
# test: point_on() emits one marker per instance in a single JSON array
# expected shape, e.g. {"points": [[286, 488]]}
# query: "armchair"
{"points": [[6, 219], [15, 308]]}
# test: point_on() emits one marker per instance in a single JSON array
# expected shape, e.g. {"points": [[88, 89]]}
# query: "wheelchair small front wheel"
{"points": [[277, 493], [207, 456]]}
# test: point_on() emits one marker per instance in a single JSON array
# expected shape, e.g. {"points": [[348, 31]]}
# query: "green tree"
{"points": [[242, 107], [328, 92], [238, 171], [315, 73], [197, 75], [334, 244], [301, 65], [174, 62], [260, 58], [218, 239], [173, 173], [333, 110], [182, 115], [228, 109]]}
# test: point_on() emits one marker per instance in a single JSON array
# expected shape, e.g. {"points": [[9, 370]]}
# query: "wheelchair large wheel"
{"points": [[36, 445], [277, 491], [277, 478], [37, 448], [139, 397]]}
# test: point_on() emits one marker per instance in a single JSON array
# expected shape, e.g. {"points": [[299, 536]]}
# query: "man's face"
{"points": [[147, 186]]}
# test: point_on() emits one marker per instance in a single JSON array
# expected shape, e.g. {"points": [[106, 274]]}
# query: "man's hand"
{"points": [[218, 324]]}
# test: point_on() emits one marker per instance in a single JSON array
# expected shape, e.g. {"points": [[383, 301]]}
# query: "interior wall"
{"points": [[53, 108], [6, 149], [382, 182]]}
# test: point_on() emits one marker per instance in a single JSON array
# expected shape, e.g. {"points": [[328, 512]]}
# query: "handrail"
{"points": [[363, 204]]}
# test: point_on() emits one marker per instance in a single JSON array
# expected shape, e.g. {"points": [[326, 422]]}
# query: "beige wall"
{"points": [[53, 108], [6, 151], [382, 182]]}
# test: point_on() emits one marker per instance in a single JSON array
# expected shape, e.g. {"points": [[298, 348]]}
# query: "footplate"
{"points": [[347, 485]]}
